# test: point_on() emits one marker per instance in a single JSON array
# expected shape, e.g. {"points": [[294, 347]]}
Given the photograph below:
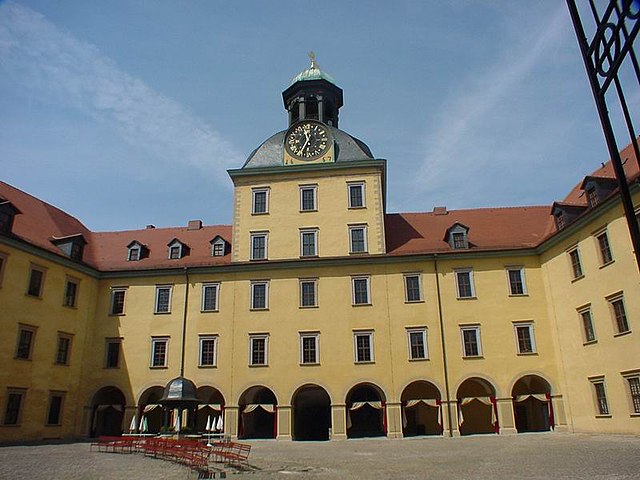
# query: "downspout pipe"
{"points": [[443, 345], [184, 318]]}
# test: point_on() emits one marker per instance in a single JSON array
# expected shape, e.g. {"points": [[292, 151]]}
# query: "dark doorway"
{"points": [[108, 412], [365, 412], [475, 403], [311, 413], [421, 410], [257, 413], [532, 404]]}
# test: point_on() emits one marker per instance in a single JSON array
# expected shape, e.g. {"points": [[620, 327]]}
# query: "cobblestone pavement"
{"points": [[534, 456]]}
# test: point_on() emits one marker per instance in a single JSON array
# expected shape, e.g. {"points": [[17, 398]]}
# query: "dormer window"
{"points": [[457, 236], [592, 197], [597, 189], [560, 219], [566, 213], [177, 249], [72, 246], [136, 251], [7, 214], [218, 246]]}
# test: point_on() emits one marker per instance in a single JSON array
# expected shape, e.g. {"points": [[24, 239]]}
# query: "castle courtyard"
{"points": [[530, 456]]}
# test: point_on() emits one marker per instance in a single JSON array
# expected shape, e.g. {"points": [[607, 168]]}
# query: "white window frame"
{"points": [[364, 229], [572, 268], [472, 286], [309, 231], [158, 340], [135, 248], [266, 294], [201, 340], [422, 331], [597, 236], [586, 309], [176, 244], [355, 278], [476, 329], [520, 269], [205, 286], [156, 304], [405, 277], [315, 336], [362, 186], [259, 336], [253, 236], [612, 300], [314, 189], [363, 333], [215, 245], [529, 327], [598, 405], [114, 291], [254, 191], [315, 292]]}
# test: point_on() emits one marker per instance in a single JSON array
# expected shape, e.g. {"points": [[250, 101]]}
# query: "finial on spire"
{"points": [[312, 57]]}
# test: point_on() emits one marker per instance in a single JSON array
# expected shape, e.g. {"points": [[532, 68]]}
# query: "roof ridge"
{"points": [[513, 207], [161, 228]]}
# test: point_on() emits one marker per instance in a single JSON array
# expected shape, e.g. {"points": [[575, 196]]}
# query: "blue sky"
{"points": [[126, 113]]}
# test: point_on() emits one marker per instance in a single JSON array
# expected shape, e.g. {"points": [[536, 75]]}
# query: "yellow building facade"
{"points": [[318, 314]]}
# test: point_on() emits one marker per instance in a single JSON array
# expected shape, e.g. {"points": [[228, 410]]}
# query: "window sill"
{"points": [[361, 304], [209, 311], [308, 211], [475, 357], [306, 307], [518, 295], [634, 415], [72, 307], [426, 359], [575, 279], [50, 425], [607, 415], [113, 368], [369, 362], [258, 259], [316, 364], [359, 253], [61, 364], [304, 257], [17, 425], [258, 366], [356, 208], [207, 366], [527, 354], [35, 297], [259, 213], [117, 314], [414, 301], [607, 264], [258, 309], [22, 359], [162, 313], [158, 367], [467, 298], [590, 342], [621, 334]]}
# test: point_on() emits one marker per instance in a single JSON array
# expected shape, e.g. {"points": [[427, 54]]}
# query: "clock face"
{"points": [[308, 140]]}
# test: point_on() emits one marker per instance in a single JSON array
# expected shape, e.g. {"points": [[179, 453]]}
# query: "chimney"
{"points": [[150, 227], [440, 210], [194, 225]]}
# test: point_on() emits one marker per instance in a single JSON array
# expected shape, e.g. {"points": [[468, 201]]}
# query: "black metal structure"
{"points": [[616, 26]]}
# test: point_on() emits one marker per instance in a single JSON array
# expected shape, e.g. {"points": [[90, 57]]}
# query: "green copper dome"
{"points": [[313, 73]]}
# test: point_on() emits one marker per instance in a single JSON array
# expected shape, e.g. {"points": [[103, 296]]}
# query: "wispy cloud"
{"points": [[51, 61], [459, 129]]}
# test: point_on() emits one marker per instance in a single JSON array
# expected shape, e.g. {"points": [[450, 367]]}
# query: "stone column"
{"points": [[284, 422], [338, 422], [450, 430], [129, 412], [394, 420], [559, 414], [320, 109], [302, 110], [231, 420], [506, 416]]}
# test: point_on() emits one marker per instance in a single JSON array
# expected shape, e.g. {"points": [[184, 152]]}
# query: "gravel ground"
{"points": [[534, 456]]}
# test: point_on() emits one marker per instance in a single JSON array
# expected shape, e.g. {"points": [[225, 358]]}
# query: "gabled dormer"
{"points": [[565, 213], [136, 251], [597, 189], [7, 215], [219, 246], [72, 245], [457, 236], [177, 249]]}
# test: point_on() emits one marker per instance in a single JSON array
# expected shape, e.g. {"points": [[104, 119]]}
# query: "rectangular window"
{"points": [[159, 351], [576, 265], [459, 240], [308, 243], [70, 293], [13, 407], [260, 201], [588, 331], [218, 249], [361, 293], [117, 301], [3, 264], [356, 195], [208, 350], [36, 281], [308, 292], [517, 285], [258, 350], [308, 194], [259, 295], [210, 293], [592, 197], [63, 351], [54, 415], [464, 283], [412, 287], [358, 239], [634, 391], [619, 314], [134, 254], [605, 249], [258, 246], [363, 345], [163, 299], [471, 346], [309, 348], [175, 252], [600, 393], [417, 338], [525, 340], [26, 339], [112, 353]]}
